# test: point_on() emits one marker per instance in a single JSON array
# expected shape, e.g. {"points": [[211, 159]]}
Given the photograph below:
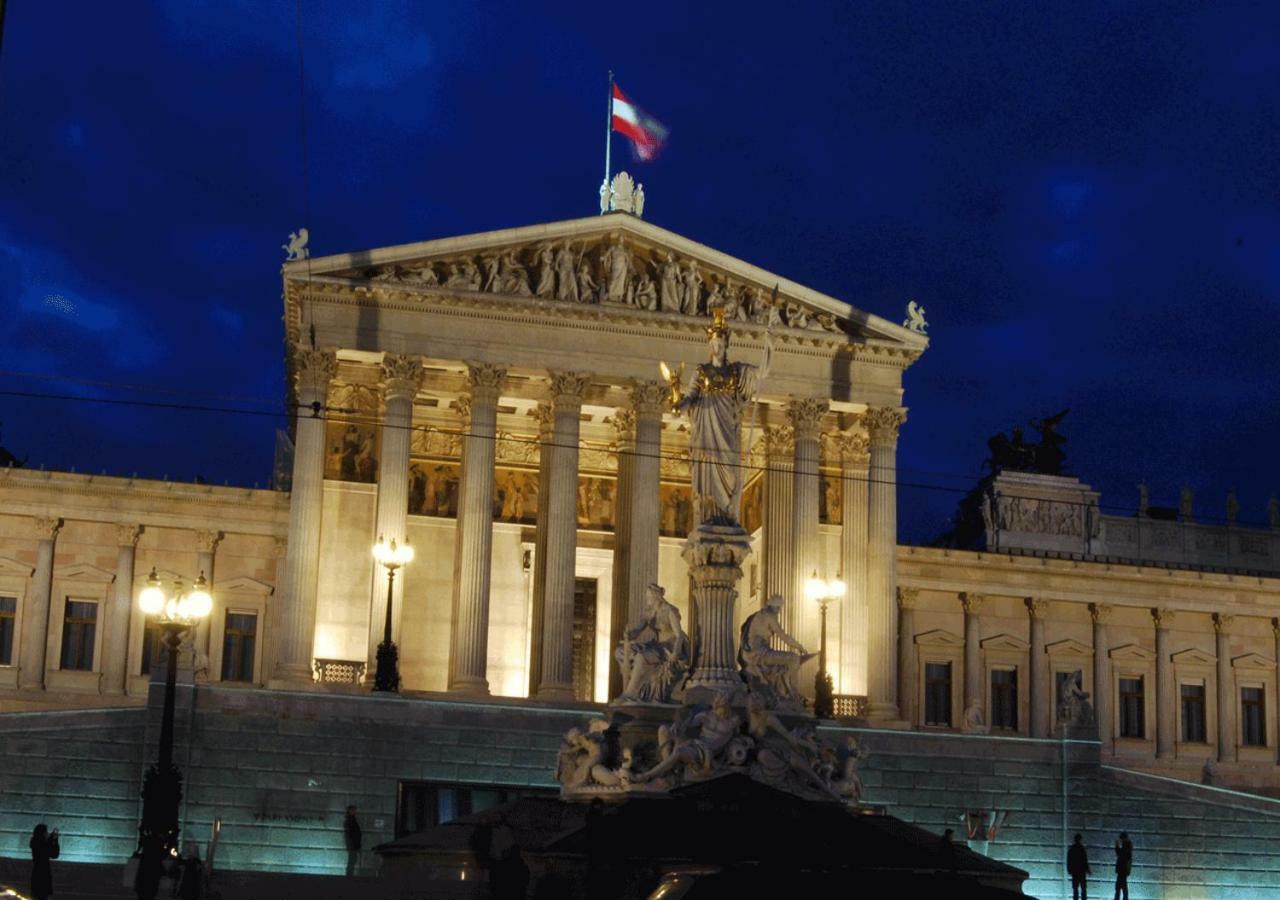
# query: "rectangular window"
{"points": [[152, 646], [79, 625], [8, 614], [1133, 721], [1253, 716], [422, 805], [1193, 717], [238, 641], [1004, 699], [937, 694]]}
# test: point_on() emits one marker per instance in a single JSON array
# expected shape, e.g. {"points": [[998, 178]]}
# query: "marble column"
{"points": [[907, 687], [567, 389], [546, 436], [779, 577], [1275, 634], [206, 546], [1040, 700], [35, 619], [473, 545], [806, 421], [1102, 687], [882, 533], [975, 717], [312, 372], [272, 623], [624, 425], [1166, 690], [115, 657], [1226, 689], [401, 378], [853, 565]]}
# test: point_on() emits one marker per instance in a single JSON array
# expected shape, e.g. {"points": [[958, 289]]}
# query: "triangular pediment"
{"points": [[167, 577], [1132, 652], [940, 638], [614, 262], [1193, 656], [1252, 661], [1068, 647], [243, 585], [13, 567], [84, 572], [1004, 642]]}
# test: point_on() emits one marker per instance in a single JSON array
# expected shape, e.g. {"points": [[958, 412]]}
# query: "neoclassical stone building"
{"points": [[495, 399]]}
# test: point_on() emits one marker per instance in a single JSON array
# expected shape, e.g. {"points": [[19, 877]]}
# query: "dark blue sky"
{"points": [[1083, 196]]}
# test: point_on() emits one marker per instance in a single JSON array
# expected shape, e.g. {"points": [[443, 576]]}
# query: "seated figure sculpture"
{"points": [[654, 654], [771, 673], [716, 728]]}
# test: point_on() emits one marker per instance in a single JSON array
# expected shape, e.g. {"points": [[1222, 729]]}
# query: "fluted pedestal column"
{"points": [[472, 555], [882, 620], [975, 716], [546, 438], [779, 513], [1040, 700], [313, 370], [1226, 690], [115, 658], [802, 613], [854, 458], [35, 621], [715, 554], [206, 546], [1166, 690], [401, 378], [562, 538], [908, 689], [1101, 614]]}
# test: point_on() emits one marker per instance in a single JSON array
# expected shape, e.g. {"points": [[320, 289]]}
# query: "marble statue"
{"points": [[637, 202], [773, 674], [646, 293], [974, 719], [849, 785], [714, 400], [297, 246], [616, 265], [586, 284], [696, 755], [654, 654], [1074, 707], [1185, 499], [669, 285], [546, 272], [582, 759], [915, 320], [514, 278], [714, 299], [797, 316], [784, 756], [1233, 507], [691, 290], [492, 280], [566, 276]]}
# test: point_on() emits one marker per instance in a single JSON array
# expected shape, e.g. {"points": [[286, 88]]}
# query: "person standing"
{"points": [[1124, 863], [354, 838], [1078, 869], [44, 847]]}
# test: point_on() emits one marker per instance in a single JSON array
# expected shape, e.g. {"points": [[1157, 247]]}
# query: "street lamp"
{"points": [[387, 677], [175, 612], [823, 592]]}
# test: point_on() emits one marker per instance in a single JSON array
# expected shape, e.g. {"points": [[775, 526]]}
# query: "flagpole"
{"points": [[608, 146]]}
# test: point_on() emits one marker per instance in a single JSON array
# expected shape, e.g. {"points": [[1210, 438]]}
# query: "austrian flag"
{"points": [[646, 132]]}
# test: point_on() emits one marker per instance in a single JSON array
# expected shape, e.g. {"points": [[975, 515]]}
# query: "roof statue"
{"points": [[915, 318], [622, 194], [1014, 453], [297, 246]]}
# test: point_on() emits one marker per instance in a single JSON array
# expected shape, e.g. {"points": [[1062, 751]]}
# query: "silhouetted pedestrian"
{"points": [[191, 874], [1124, 863], [1078, 869], [354, 838], [44, 847]]}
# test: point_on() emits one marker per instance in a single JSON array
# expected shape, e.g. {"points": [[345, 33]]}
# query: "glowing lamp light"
{"points": [[815, 588], [198, 603], [152, 598], [391, 554], [181, 605]]}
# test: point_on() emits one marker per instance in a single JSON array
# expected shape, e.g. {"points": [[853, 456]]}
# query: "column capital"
{"points": [[649, 398], [313, 370], [279, 547], [908, 597], [402, 375], [779, 440], [1163, 618], [971, 602], [1037, 607], [546, 417], [883, 423], [806, 416], [1100, 613], [127, 534], [624, 425], [567, 389], [207, 541], [854, 448], [485, 381], [1222, 623], [47, 527]]}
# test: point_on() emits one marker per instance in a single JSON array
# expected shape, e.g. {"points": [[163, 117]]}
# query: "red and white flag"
{"points": [[646, 132]]}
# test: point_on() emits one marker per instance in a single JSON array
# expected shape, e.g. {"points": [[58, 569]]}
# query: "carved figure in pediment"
{"points": [[691, 293], [646, 293], [546, 272], [587, 286], [492, 282], [615, 263], [566, 276], [797, 316], [427, 275], [715, 299], [669, 284], [826, 322], [735, 306], [514, 278]]}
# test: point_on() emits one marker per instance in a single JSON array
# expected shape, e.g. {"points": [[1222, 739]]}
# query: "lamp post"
{"points": [[175, 612], [387, 677], [823, 592]]}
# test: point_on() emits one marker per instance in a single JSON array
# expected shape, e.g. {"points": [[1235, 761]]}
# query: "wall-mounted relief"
{"points": [[352, 450], [515, 496], [433, 489], [596, 502], [677, 510], [753, 505], [829, 498]]}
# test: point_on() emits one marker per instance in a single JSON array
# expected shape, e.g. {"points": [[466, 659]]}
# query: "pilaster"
{"points": [[35, 623], [882, 622], [206, 546], [1165, 688], [1040, 700], [115, 656]]}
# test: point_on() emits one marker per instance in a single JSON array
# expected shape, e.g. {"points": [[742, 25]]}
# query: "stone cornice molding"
{"points": [[402, 375], [1163, 618], [127, 534], [779, 441], [312, 372], [567, 389], [806, 415], [1222, 623], [649, 398], [47, 527], [908, 598], [1037, 608], [971, 602], [485, 381], [1100, 613], [207, 541], [883, 423]]}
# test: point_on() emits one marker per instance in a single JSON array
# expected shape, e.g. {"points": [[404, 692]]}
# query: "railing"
{"points": [[849, 706], [339, 671]]}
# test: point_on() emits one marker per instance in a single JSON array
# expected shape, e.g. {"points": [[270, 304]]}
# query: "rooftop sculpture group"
{"points": [[1014, 453]]}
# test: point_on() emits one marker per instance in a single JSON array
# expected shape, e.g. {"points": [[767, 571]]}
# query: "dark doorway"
{"points": [[584, 638]]}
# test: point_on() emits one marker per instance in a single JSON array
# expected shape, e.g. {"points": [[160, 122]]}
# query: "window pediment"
{"points": [[1004, 642], [940, 638], [1193, 656], [13, 567], [244, 585], [1132, 652], [84, 572], [1068, 647], [1252, 661]]}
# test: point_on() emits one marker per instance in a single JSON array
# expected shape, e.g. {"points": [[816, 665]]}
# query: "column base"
{"points": [[877, 712], [471, 687], [290, 676], [556, 692]]}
